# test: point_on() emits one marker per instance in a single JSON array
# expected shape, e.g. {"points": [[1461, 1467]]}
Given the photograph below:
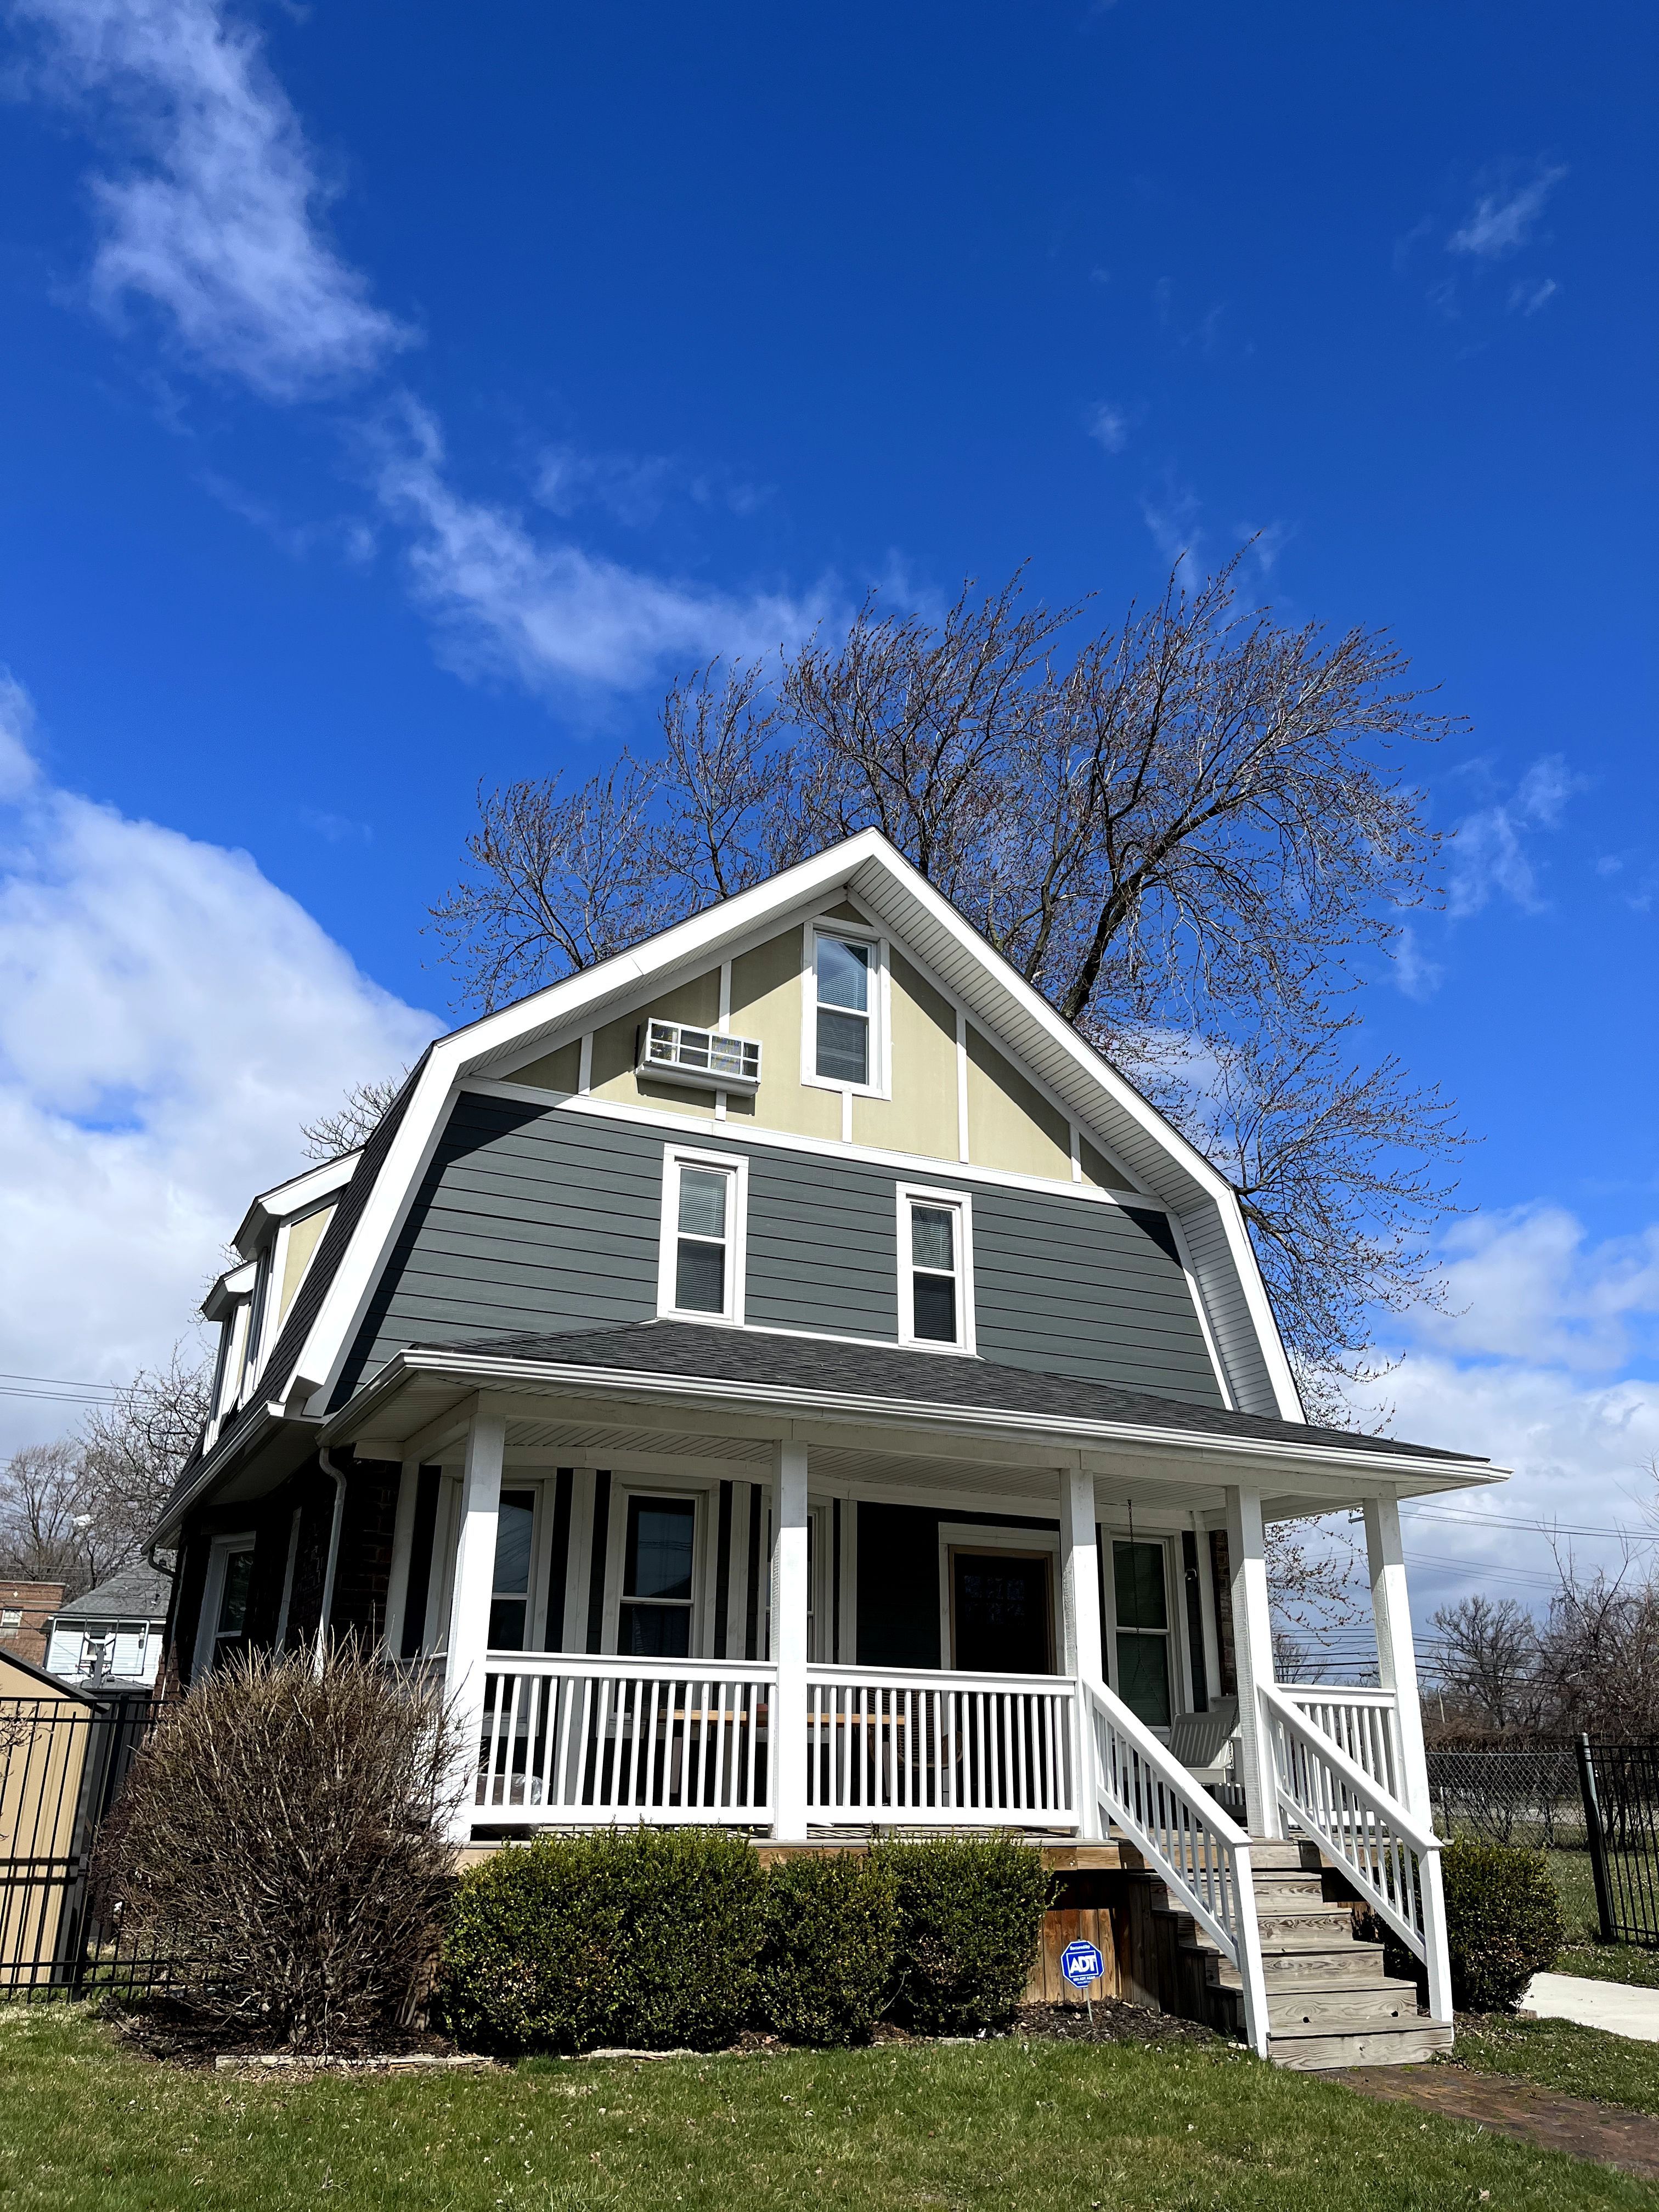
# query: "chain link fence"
{"points": [[1530, 1797]]}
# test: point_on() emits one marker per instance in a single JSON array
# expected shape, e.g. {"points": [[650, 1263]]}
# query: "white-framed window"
{"points": [[935, 1269], [844, 1040], [222, 1623], [1142, 1614], [705, 1205]]}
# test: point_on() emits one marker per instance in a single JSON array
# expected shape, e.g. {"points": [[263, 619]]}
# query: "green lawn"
{"points": [[1585, 1953], [86, 2127], [1583, 2062]]}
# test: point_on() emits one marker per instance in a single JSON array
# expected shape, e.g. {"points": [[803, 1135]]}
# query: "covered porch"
{"points": [[653, 1599]]}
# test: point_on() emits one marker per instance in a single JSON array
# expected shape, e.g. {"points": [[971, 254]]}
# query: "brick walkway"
{"points": [[1509, 2106]]}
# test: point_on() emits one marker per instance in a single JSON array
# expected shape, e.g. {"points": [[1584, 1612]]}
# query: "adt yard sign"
{"points": [[1081, 1963]]}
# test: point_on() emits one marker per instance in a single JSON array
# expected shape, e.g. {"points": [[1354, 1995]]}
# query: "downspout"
{"points": [[337, 1475]]}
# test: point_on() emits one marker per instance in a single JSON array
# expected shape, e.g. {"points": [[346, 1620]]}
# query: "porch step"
{"points": [[1401, 2046], [1329, 2001]]}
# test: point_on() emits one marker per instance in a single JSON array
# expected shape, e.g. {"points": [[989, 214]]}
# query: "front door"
{"points": [[1002, 1612]]}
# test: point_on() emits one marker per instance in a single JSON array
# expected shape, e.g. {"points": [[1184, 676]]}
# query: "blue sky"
{"points": [[396, 398]]}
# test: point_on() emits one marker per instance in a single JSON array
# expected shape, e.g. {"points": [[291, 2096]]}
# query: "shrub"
{"points": [[643, 1937], [281, 1835], [831, 1930], [970, 1920], [1502, 1922]]}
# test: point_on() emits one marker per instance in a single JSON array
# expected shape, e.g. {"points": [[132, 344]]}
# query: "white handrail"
{"points": [[1392, 1859], [1363, 1722], [1201, 1855]]}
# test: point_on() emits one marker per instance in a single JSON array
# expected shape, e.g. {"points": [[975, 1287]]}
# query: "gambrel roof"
{"points": [[307, 1373]]}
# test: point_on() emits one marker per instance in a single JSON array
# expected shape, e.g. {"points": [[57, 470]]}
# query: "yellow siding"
{"points": [[921, 1116], [1011, 1125], [1098, 1168], [555, 1071], [615, 1048], [766, 1005], [303, 1239]]}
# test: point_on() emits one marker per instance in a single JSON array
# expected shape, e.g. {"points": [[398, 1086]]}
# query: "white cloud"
{"points": [[551, 613], [18, 769], [218, 223], [1172, 518], [1108, 426], [1527, 297], [1581, 1455], [1526, 1284], [167, 1018], [1414, 971], [1490, 853], [1503, 217]]}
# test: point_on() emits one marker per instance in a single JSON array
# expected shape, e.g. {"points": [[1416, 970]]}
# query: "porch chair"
{"points": [[1202, 1741]]}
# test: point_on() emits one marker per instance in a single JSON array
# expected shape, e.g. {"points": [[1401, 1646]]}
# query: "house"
{"points": [[781, 1376], [26, 1611], [112, 1636]]}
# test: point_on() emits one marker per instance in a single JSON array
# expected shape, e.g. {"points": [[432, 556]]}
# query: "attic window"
{"points": [[702, 1057]]}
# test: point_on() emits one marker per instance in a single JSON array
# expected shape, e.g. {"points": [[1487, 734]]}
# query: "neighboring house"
{"points": [[782, 1376], [114, 1634], [26, 1610]]}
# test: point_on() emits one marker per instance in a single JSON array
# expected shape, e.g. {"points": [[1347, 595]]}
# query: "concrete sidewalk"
{"points": [[1617, 2007]]}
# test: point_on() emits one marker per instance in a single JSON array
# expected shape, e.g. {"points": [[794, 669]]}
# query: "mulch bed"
{"points": [[175, 2038]]}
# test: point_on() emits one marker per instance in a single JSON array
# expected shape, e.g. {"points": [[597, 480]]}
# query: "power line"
{"points": [[1537, 1528]]}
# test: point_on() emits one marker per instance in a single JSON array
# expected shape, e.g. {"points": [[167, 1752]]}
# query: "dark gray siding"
{"points": [[1084, 1289], [530, 1219]]}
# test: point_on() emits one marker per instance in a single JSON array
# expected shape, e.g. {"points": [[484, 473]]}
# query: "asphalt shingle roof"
{"points": [[876, 1370], [139, 1592]]}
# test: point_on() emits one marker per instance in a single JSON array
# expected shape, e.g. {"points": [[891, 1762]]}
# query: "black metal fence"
{"points": [[62, 1764], [1598, 1799]]}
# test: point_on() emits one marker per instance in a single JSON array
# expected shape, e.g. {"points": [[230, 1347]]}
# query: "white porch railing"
{"points": [[1363, 1724], [572, 1740], [887, 1746], [1203, 1856], [1392, 1859]]}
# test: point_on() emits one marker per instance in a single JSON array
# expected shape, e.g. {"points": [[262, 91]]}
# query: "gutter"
{"points": [[325, 1616]]}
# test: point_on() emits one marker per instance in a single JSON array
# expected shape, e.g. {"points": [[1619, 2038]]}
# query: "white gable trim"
{"points": [[884, 885]]}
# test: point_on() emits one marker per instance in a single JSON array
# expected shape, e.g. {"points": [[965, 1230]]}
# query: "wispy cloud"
{"points": [[1527, 297], [1109, 425], [1503, 216], [217, 221], [551, 613], [1414, 971], [1491, 853], [634, 488]]}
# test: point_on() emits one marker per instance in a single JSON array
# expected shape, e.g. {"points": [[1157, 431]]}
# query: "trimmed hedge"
{"points": [[643, 1937], [1502, 1922], [971, 1921], [831, 1933], [657, 1938]]}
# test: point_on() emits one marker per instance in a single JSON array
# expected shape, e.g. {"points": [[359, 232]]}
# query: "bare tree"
{"points": [[1192, 832], [353, 1121], [134, 1451], [1485, 1663], [1598, 1660], [49, 1529]]}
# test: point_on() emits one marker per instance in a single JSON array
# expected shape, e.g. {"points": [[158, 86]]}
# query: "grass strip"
{"points": [[87, 2126]]}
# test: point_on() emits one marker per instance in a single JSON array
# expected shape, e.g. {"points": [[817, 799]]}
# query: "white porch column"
{"points": [[790, 1595], [1396, 1656], [1253, 1651], [403, 1529], [1084, 1657], [475, 1578]]}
